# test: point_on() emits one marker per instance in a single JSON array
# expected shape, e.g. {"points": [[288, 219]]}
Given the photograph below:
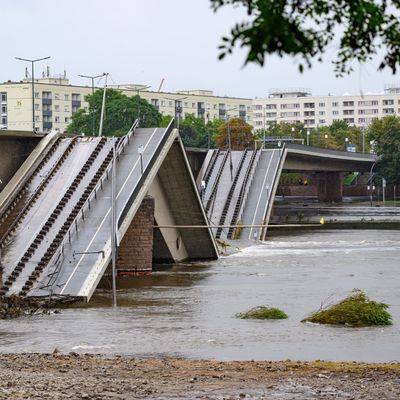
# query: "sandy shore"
{"points": [[73, 376]]}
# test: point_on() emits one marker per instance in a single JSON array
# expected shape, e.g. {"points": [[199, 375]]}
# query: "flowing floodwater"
{"points": [[189, 310]]}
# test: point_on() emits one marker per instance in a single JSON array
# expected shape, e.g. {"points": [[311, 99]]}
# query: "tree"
{"points": [[195, 132], [385, 133], [305, 29], [237, 132], [120, 113]]}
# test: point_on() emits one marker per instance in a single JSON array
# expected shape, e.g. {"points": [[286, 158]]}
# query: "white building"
{"points": [[298, 105], [56, 100]]}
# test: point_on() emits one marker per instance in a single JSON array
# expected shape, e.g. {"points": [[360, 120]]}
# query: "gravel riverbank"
{"points": [[74, 376]]}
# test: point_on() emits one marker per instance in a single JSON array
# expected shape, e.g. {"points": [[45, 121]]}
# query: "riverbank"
{"points": [[73, 376]]}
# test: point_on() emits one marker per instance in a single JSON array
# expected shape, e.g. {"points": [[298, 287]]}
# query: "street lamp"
{"points": [[92, 107], [177, 108], [228, 136], [326, 140], [138, 101], [308, 137], [371, 187], [346, 141], [33, 84]]}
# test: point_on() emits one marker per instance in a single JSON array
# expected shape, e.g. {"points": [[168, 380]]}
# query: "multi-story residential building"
{"points": [[56, 100], [300, 106], [200, 103]]}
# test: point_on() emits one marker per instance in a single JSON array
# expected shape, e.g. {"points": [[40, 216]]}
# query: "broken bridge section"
{"points": [[238, 189], [60, 241]]}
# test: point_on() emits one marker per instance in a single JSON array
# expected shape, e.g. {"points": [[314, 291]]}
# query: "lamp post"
{"points": [[346, 141], [371, 187], [308, 137], [33, 83], [92, 107], [138, 101], [326, 140], [177, 108], [228, 136]]}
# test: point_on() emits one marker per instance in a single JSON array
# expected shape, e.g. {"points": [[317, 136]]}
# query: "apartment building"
{"points": [[300, 106], [56, 100]]}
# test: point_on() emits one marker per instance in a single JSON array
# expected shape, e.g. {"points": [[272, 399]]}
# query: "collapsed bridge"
{"points": [[55, 214]]}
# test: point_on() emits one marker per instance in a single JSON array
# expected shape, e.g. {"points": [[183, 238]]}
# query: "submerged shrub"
{"points": [[356, 310], [263, 312]]}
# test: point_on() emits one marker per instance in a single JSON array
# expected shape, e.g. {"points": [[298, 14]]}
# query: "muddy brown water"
{"points": [[189, 310]]}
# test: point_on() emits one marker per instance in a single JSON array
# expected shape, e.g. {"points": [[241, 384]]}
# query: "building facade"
{"points": [[56, 100], [299, 105]]}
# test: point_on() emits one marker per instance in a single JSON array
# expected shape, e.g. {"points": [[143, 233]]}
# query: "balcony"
{"points": [[76, 103], [47, 125], [47, 113], [47, 101]]}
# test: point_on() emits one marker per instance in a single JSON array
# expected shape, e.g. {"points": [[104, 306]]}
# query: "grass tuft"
{"points": [[356, 310], [263, 312]]}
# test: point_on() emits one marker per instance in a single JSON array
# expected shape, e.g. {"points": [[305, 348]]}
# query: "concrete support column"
{"points": [[330, 186], [135, 252]]}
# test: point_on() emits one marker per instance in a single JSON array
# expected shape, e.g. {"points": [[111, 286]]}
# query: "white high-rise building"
{"points": [[298, 105]]}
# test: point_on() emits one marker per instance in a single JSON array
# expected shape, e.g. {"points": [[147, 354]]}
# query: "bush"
{"points": [[263, 312], [356, 310]]}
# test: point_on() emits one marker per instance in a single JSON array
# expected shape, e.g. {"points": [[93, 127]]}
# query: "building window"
{"points": [[4, 120], [66, 109], [4, 97], [66, 120], [258, 107], [76, 97], [66, 97], [56, 96], [335, 112], [57, 119], [322, 121], [36, 95], [348, 112], [367, 103], [46, 95], [335, 104], [270, 106], [321, 104], [309, 105], [170, 103], [36, 107], [57, 108], [321, 113], [4, 109], [348, 104], [388, 110], [388, 102]]}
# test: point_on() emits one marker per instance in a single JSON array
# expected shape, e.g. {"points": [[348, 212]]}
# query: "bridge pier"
{"points": [[135, 252], [330, 186]]}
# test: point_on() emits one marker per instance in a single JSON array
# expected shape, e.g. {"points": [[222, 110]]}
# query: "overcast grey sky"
{"points": [[143, 41]]}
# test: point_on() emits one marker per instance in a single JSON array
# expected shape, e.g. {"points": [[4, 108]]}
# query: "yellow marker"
{"points": [[322, 221]]}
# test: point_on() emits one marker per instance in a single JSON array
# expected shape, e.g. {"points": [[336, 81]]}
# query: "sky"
{"points": [[145, 41]]}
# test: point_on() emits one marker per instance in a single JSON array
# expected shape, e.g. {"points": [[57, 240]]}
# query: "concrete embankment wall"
{"points": [[14, 150]]}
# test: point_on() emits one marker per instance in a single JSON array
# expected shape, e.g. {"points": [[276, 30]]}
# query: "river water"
{"points": [[189, 310]]}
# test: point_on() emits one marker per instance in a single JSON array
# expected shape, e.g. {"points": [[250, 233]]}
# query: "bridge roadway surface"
{"points": [[65, 209], [256, 203], [261, 191], [40, 210], [78, 274]]}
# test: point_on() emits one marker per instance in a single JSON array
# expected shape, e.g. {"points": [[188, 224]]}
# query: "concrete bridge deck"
{"points": [[59, 243]]}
